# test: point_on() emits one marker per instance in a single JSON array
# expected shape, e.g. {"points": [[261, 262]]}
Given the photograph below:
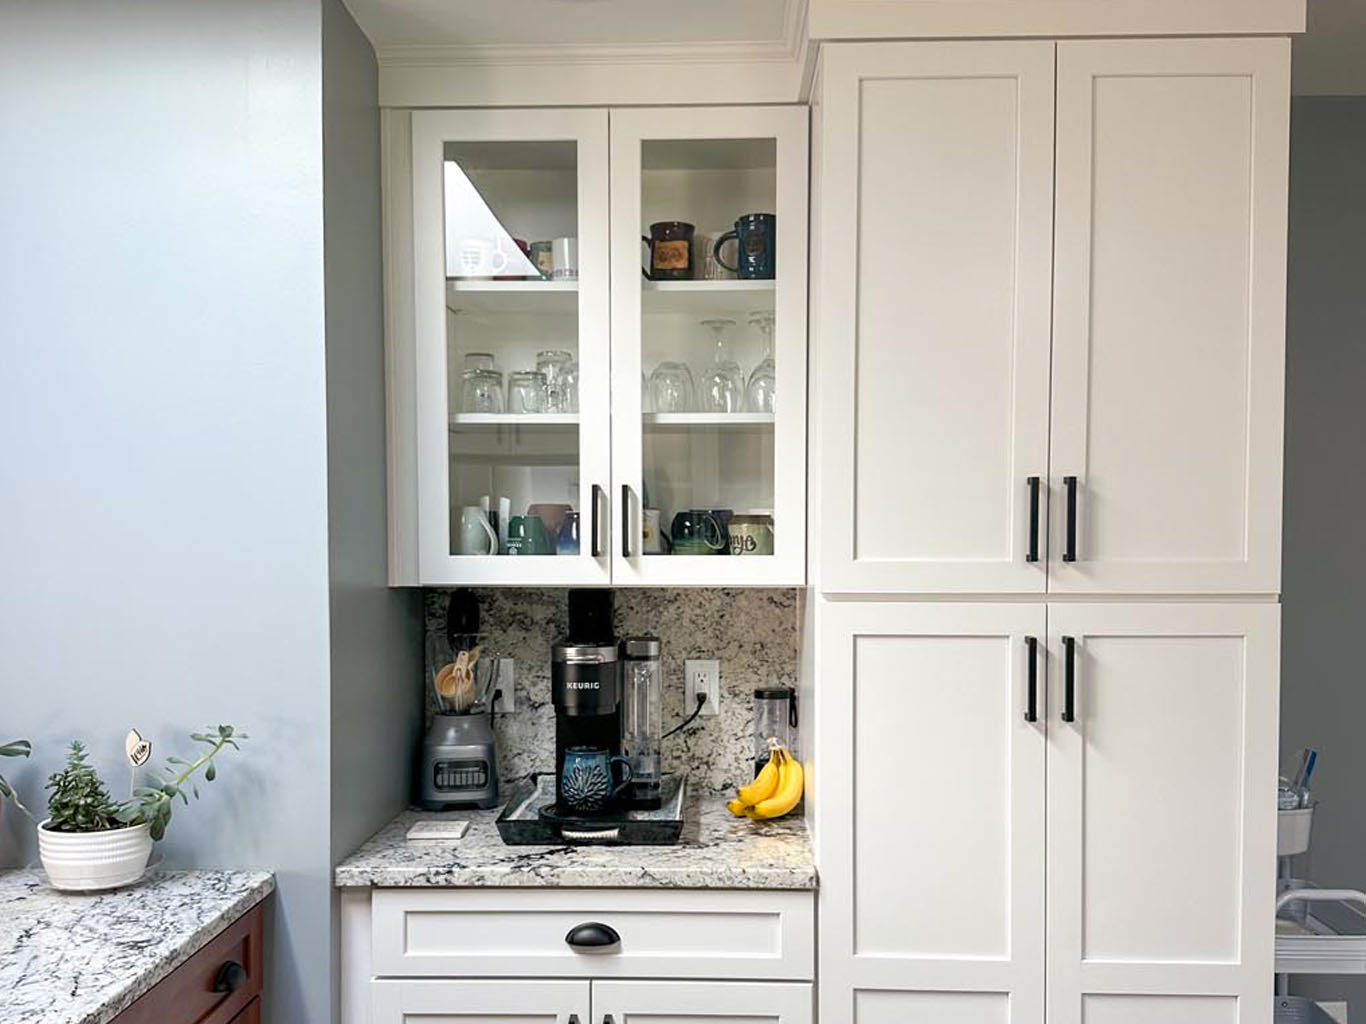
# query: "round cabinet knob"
{"points": [[230, 977], [593, 937]]}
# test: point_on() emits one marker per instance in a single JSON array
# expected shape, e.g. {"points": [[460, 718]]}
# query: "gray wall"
{"points": [[376, 650], [1323, 692], [163, 492]]}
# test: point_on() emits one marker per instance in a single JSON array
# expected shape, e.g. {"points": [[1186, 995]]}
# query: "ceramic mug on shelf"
{"points": [[477, 537], [670, 243], [527, 535], [697, 532], [480, 257], [751, 533], [542, 254], [756, 234], [567, 540], [550, 513], [652, 538], [564, 257], [586, 779]]}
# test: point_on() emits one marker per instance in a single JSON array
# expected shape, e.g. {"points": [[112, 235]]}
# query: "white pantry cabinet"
{"points": [[497, 226], [1117, 852], [1035, 378]]}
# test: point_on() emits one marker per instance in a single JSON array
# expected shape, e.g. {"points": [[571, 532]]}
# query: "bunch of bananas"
{"points": [[774, 791]]}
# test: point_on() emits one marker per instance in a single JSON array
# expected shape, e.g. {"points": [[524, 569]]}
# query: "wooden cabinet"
{"points": [[592, 448], [1117, 852], [477, 955], [1161, 818], [220, 984], [1051, 379]]}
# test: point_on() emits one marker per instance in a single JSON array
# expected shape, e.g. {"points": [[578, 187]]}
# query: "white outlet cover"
{"points": [[702, 674]]}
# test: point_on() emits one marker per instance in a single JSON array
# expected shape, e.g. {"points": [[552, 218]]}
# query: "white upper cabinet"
{"points": [[1161, 812], [486, 321], [708, 356], [1169, 315], [569, 408], [933, 268]]}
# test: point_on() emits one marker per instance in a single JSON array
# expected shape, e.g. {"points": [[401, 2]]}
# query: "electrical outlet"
{"points": [[507, 683], [702, 676]]}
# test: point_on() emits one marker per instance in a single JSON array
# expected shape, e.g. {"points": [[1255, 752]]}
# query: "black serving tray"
{"points": [[531, 819]]}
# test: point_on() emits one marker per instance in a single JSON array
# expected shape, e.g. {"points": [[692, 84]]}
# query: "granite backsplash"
{"points": [[755, 633]]}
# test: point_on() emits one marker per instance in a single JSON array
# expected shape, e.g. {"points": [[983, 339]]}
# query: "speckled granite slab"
{"points": [[718, 851], [70, 959]]}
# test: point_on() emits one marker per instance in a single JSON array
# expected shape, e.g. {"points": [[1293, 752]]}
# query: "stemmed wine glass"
{"points": [[759, 393], [723, 385]]}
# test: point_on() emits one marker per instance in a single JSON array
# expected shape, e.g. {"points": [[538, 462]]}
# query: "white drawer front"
{"points": [[664, 934]]}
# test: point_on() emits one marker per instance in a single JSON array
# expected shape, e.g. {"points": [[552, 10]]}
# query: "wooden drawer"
{"points": [[186, 995], [492, 933]]}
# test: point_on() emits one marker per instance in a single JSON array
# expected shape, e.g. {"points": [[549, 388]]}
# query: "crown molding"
{"points": [[789, 48]]}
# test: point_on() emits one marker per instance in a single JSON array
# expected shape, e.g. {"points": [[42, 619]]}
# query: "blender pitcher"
{"points": [[640, 719], [775, 718]]}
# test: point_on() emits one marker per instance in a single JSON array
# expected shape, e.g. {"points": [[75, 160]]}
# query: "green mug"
{"points": [[697, 532], [527, 535]]}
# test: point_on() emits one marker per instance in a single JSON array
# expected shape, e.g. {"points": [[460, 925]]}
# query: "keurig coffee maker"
{"points": [[585, 684]]}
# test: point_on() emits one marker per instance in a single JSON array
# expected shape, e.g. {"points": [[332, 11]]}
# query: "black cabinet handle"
{"points": [[608, 1019], [1032, 711], [573, 1019], [625, 520], [1069, 551], [1069, 676], [593, 936], [229, 977], [1033, 555], [597, 504]]}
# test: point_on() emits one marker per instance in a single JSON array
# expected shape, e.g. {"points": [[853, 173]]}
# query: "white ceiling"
{"points": [[1330, 59], [477, 23]]}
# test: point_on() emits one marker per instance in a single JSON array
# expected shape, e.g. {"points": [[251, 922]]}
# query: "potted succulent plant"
{"points": [[88, 842], [14, 748]]}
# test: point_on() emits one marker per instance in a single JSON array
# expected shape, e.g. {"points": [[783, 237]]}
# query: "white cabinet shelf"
{"points": [[512, 296], [706, 296], [514, 419], [723, 420]]}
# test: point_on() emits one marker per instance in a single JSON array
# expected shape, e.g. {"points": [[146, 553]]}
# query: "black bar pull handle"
{"points": [[625, 520], [1069, 551], [573, 1019], [597, 505], [1033, 555], [1069, 679], [1032, 709]]}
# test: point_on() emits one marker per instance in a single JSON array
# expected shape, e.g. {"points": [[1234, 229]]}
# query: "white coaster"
{"points": [[432, 831]]}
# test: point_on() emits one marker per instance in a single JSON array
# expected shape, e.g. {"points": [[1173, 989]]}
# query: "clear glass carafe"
{"points": [[641, 718]]}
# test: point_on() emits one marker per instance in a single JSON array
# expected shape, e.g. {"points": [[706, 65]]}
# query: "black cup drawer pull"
{"points": [[593, 937], [230, 977]]}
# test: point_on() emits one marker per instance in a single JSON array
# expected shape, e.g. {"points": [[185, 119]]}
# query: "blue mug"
{"points": [[755, 235], [586, 782], [567, 543]]}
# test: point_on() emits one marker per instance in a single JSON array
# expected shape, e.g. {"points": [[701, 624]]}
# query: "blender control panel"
{"points": [[460, 775]]}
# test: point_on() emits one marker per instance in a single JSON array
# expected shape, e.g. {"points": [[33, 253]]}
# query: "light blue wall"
{"points": [[1323, 673], [377, 633], [163, 447]]}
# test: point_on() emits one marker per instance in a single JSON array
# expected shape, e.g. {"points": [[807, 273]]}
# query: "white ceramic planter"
{"points": [[88, 861]]}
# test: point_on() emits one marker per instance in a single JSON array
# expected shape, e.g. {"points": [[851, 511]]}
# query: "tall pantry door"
{"points": [[1162, 740], [1169, 315], [930, 812], [933, 261]]}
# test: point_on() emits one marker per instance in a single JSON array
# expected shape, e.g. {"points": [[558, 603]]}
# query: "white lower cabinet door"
{"points": [[930, 812], [1161, 813], [701, 1002], [480, 1002]]}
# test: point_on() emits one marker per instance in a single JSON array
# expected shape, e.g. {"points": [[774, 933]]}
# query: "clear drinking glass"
{"points": [[763, 381], [526, 391], [723, 385], [569, 387], [478, 361], [671, 388], [551, 364], [481, 391]]}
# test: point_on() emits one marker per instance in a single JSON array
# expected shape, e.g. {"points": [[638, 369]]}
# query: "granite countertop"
{"points": [[717, 851], [82, 959]]}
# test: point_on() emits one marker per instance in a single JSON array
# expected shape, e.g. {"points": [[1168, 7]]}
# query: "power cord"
{"points": [[701, 703]]}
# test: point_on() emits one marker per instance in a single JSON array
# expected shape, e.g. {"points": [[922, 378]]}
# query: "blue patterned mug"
{"points": [[586, 778]]}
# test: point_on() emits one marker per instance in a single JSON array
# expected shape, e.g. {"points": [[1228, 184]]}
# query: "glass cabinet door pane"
{"points": [[708, 387], [512, 347]]}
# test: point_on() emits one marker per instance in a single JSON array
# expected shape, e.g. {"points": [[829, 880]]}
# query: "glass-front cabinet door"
{"points": [[510, 279], [709, 224]]}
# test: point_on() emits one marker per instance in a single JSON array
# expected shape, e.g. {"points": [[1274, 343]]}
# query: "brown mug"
{"points": [[670, 245]]}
